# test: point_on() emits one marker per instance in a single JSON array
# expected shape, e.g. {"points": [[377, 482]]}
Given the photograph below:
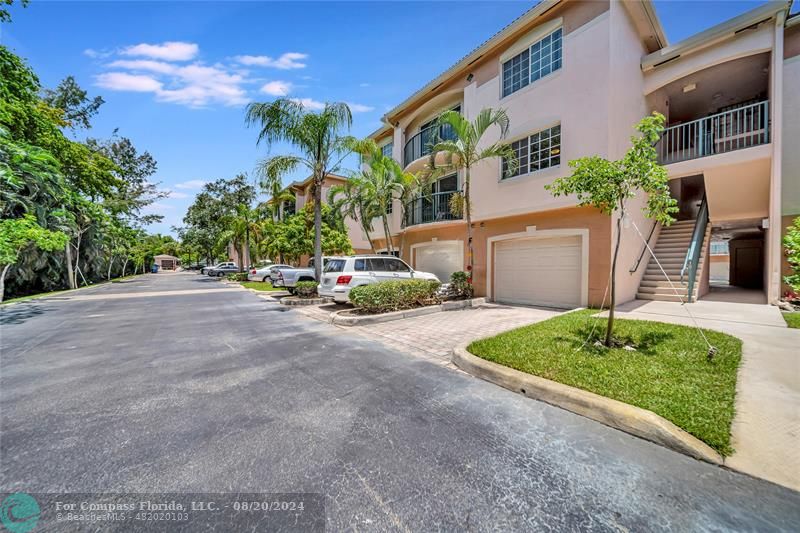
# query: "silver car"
{"points": [[343, 273], [262, 273]]}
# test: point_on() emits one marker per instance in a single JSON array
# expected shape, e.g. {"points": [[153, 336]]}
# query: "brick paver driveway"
{"points": [[437, 334]]}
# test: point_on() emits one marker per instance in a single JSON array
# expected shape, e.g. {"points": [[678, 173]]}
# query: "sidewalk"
{"points": [[766, 427]]}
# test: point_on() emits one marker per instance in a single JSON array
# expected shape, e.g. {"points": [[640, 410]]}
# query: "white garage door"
{"points": [[540, 271], [441, 259]]}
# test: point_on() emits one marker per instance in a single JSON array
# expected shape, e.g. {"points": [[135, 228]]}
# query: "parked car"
{"points": [[262, 273], [206, 268], [341, 274], [222, 269], [288, 277]]}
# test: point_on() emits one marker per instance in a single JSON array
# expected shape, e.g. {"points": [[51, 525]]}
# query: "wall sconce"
{"points": [[469, 77]]}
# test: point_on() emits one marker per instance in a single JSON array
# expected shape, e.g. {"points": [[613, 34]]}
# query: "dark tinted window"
{"points": [[376, 264], [395, 265], [361, 265], [335, 265]]}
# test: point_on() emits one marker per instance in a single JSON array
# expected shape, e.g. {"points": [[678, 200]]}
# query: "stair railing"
{"points": [[635, 266], [692, 260]]}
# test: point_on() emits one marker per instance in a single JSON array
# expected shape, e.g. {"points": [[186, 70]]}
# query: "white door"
{"points": [[538, 271], [441, 259]]}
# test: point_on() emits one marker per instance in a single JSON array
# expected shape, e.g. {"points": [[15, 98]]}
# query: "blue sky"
{"points": [[176, 75]]}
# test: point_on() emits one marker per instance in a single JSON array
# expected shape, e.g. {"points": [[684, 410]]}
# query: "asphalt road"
{"points": [[176, 383]]}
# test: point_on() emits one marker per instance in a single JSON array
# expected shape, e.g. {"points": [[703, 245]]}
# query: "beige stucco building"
{"points": [[575, 77]]}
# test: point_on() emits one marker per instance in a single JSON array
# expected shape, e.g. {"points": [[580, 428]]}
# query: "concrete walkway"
{"points": [[766, 427]]}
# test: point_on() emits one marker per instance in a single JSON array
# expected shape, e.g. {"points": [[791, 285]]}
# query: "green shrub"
{"points": [[791, 249], [237, 276], [460, 286], [306, 289], [394, 295]]}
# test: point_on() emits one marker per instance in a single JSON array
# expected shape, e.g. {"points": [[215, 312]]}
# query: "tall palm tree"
{"points": [[318, 140], [464, 153], [351, 201]]}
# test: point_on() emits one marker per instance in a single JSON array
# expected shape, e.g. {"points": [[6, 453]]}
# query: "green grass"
{"points": [[260, 286], [792, 319], [667, 374]]}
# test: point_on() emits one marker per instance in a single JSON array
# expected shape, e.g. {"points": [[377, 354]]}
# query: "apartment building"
{"points": [[575, 77]]}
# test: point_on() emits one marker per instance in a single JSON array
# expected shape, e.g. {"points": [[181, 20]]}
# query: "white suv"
{"points": [[343, 273]]}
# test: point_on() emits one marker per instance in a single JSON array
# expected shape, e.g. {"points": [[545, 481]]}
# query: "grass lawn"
{"points": [[667, 374], [260, 286], [792, 319]]}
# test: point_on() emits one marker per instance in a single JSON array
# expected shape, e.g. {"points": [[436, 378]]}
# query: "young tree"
{"points": [[791, 245], [347, 200], [464, 153], [607, 185], [318, 139], [16, 234]]}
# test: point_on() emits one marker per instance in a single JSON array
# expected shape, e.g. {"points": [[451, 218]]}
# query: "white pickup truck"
{"points": [[288, 277]]}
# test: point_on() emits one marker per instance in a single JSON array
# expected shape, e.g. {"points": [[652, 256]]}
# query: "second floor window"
{"points": [[386, 150], [536, 152], [542, 58]]}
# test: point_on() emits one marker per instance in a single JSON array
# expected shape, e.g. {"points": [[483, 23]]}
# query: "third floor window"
{"points": [[537, 61]]}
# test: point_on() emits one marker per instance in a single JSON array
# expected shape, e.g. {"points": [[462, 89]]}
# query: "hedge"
{"points": [[390, 296], [306, 289]]}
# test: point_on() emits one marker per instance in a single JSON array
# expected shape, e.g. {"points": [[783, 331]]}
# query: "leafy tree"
{"points": [[607, 185], [76, 106], [791, 246], [316, 137], [347, 200], [466, 151], [5, 16], [16, 234], [295, 236]]}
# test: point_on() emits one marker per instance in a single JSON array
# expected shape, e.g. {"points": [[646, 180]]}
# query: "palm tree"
{"points": [[351, 201], [239, 226], [463, 153], [317, 138]]}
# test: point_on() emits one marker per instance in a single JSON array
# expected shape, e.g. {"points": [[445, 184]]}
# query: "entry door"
{"points": [[539, 271]]}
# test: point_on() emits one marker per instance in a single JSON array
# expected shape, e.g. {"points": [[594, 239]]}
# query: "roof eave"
{"points": [[715, 34]]}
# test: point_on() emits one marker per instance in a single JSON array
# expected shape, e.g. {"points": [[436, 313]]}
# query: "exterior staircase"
{"points": [[671, 248]]}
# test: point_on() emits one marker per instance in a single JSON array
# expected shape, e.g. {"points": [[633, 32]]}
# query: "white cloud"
{"points": [[145, 64], [287, 61], [310, 103], [277, 88], [360, 108], [168, 51], [190, 184], [157, 207], [175, 194], [122, 81], [364, 84], [96, 54]]}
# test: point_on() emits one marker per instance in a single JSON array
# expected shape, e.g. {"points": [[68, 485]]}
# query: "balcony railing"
{"points": [[738, 128], [430, 208], [420, 144]]}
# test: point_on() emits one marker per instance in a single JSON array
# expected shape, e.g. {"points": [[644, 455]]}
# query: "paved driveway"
{"points": [[175, 383], [435, 335]]}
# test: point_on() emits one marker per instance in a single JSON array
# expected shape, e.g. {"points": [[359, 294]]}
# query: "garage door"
{"points": [[441, 259], [540, 271]]}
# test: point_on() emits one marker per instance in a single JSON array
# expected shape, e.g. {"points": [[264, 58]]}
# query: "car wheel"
{"points": [[291, 290], [219, 274], [265, 279]]}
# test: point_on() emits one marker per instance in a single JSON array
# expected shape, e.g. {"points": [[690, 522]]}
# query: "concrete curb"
{"points": [[628, 418], [296, 301], [339, 318]]}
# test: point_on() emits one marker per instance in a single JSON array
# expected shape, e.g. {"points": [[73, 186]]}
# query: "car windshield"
{"points": [[335, 265]]}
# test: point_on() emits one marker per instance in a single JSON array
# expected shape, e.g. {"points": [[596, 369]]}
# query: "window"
{"points": [[376, 264], [386, 150], [719, 248], [395, 265], [537, 152], [360, 265], [542, 58], [395, 253], [335, 265], [389, 206]]}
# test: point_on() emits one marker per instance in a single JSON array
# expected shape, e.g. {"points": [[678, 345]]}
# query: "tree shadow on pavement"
{"points": [[19, 313]]}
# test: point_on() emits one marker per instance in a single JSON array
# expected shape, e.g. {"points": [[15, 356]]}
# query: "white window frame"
{"points": [[526, 43], [501, 177]]}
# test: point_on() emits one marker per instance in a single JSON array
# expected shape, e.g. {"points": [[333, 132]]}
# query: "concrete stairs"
{"points": [[671, 248]]}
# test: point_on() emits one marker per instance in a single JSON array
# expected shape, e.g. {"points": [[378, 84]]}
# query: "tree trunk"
{"points": [[318, 226], [389, 243], [124, 265], [77, 260], [70, 273], [468, 217], [3, 281], [610, 327], [110, 263]]}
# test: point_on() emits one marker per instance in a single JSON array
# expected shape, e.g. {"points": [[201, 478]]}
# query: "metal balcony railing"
{"points": [[738, 128], [420, 144], [430, 208]]}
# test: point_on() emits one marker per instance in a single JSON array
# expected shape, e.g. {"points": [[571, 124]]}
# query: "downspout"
{"points": [[775, 207]]}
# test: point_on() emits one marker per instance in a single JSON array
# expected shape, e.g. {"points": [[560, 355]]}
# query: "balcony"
{"points": [[429, 208], [420, 144], [723, 132]]}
